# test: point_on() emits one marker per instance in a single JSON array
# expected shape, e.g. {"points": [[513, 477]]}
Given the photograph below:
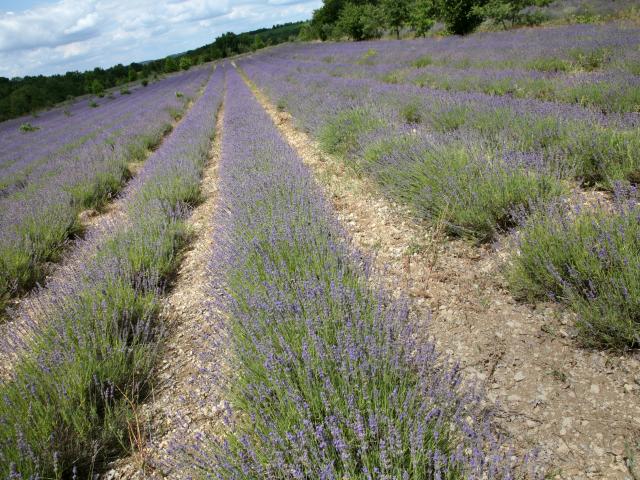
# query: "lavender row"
{"points": [[63, 126], [610, 91], [67, 406], [274, 66], [468, 159], [594, 66], [480, 163], [41, 202], [545, 49], [327, 378]]}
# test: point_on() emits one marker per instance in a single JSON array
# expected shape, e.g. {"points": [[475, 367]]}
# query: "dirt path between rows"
{"points": [[580, 407], [184, 403]]}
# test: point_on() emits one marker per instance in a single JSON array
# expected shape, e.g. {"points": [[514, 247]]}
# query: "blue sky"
{"points": [[55, 36]]}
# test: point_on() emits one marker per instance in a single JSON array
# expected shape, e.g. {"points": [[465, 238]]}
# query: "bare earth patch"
{"points": [[580, 407]]}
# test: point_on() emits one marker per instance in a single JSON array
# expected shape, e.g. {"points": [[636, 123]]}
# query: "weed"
{"points": [[422, 62], [27, 127], [340, 134]]}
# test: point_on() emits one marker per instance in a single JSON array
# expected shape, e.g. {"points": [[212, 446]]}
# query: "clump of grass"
{"points": [[590, 60], [411, 113], [341, 133], [93, 104], [605, 156], [368, 58], [175, 113], [450, 118], [392, 77], [125, 91], [27, 127], [179, 94], [281, 105], [588, 259], [98, 190], [422, 62], [549, 64]]}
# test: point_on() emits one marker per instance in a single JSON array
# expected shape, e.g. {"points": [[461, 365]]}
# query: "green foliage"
{"points": [[422, 62], [94, 104], [460, 16], [549, 64], [589, 260], [185, 63], [171, 65], [421, 16], [340, 134], [359, 22], [27, 127], [410, 113], [145, 82], [510, 12], [96, 87], [395, 14], [590, 60]]}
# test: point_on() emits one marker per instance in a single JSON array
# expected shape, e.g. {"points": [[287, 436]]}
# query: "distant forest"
{"points": [[23, 95]]}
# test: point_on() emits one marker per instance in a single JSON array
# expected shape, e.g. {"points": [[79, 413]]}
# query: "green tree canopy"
{"points": [[359, 22], [395, 14]]}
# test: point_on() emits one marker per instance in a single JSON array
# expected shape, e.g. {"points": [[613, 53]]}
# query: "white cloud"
{"points": [[55, 37]]}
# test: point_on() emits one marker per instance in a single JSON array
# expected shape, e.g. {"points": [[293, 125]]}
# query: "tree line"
{"points": [[24, 95], [368, 19]]}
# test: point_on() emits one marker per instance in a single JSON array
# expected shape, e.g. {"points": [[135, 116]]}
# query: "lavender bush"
{"points": [[66, 407], [327, 378], [588, 258]]}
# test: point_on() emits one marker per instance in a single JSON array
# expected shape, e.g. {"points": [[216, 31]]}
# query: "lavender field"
{"points": [[411, 259], [77, 158]]}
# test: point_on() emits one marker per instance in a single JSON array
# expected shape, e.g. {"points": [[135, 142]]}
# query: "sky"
{"points": [[56, 36]]}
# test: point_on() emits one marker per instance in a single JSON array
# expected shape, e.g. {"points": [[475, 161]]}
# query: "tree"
{"points": [[258, 43], [96, 87], [325, 17], [460, 16], [395, 14], [421, 17], [185, 63], [360, 22], [170, 65], [228, 44], [501, 11]]}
